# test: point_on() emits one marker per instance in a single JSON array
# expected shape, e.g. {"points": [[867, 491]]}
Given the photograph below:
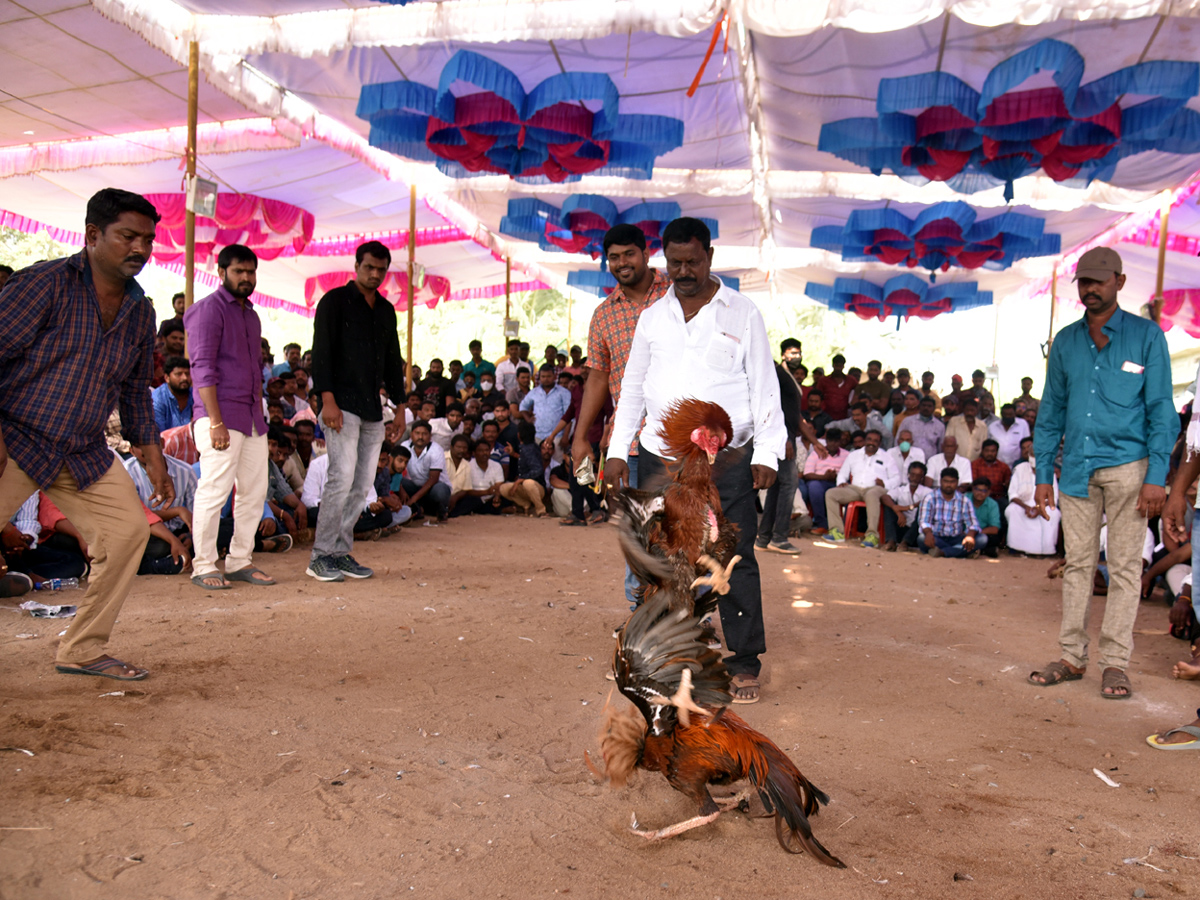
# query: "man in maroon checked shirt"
{"points": [[69, 322]]}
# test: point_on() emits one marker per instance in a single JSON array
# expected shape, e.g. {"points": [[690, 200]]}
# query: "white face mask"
{"points": [[486, 385]]}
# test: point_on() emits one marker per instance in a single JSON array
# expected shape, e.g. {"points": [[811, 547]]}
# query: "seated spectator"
{"points": [[820, 475], [468, 389], [288, 397], [1026, 453], [426, 481], [178, 516], [497, 453], [558, 483], [437, 388], [895, 408], [483, 496], [445, 428], [901, 508], [165, 553], [23, 553], [927, 431], [987, 514], [307, 445], [373, 517], [816, 415], [458, 468], [1028, 531], [987, 411], [393, 501], [283, 499], [517, 394], [269, 537], [59, 534], [180, 443], [866, 476], [508, 437], [291, 359], [301, 394], [947, 518], [275, 412], [904, 453], [1031, 417], [948, 458], [528, 491], [172, 335], [275, 391], [862, 418], [173, 398], [968, 430], [487, 394], [1008, 433], [996, 472], [309, 414], [854, 440]]}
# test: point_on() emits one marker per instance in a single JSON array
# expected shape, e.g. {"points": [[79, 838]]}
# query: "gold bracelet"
{"points": [[218, 425]]}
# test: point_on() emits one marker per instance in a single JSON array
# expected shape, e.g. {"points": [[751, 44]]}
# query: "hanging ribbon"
{"points": [[481, 120], [269, 227], [978, 139]]}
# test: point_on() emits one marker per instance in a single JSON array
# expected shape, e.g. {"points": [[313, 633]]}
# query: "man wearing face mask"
{"points": [[905, 453], [1107, 401]]}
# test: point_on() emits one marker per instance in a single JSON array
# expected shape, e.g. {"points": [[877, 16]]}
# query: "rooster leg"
{"points": [[728, 803], [671, 830], [718, 580], [682, 699]]}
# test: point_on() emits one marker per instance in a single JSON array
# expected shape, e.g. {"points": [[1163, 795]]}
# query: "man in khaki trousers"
{"points": [[78, 340], [1107, 401]]}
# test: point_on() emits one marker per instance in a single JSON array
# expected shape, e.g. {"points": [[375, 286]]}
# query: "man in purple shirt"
{"points": [[84, 320], [225, 341]]}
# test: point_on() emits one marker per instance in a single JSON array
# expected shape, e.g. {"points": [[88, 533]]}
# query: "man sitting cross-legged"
{"points": [[948, 522], [987, 514], [486, 477], [426, 481], [901, 508], [867, 475]]}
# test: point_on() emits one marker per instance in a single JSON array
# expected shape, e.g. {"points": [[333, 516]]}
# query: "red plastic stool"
{"points": [[850, 517]]}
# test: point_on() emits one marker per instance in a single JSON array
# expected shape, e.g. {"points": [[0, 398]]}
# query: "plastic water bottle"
{"points": [[57, 584]]}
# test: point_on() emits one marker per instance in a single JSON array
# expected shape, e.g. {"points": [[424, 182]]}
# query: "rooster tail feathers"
{"points": [[794, 799], [685, 416], [646, 567]]}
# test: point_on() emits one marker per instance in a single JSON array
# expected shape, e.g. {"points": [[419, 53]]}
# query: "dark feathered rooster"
{"points": [[676, 537], [681, 689]]}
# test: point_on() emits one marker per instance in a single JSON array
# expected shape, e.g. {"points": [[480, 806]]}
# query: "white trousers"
{"points": [[242, 465]]}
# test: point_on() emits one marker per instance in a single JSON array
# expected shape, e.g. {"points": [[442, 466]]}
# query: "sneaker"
{"points": [[15, 584], [760, 543], [835, 535], [783, 547], [323, 568], [349, 567], [871, 540]]}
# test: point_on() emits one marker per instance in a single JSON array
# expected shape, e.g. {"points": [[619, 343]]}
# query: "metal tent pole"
{"points": [[412, 253], [189, 265]]}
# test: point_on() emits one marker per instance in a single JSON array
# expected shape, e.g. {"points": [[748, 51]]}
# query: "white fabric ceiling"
{"points": [[67, 72]]}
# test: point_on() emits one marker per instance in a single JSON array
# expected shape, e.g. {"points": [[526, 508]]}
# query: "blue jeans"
{"points": [[436, 501], [813, 493], [631, 582], [353, 460], [952, 547], [777, 509]]}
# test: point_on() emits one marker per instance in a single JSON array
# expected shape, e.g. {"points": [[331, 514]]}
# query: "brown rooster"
{"points": [[677, 535], [681, 689]]}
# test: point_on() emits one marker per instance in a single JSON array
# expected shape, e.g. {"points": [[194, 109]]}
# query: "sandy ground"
{"points": [[422, 734]]}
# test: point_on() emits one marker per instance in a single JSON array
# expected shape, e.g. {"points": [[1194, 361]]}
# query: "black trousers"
{"points": [[741, 608]]}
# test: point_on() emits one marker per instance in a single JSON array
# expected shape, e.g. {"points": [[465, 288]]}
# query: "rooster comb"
{"points": [[683, 417]]}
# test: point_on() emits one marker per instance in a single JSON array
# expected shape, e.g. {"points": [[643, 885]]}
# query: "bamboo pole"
{"points": [[1164, 217], [189, 264], [412, 253], [507, 294], [1053, 303]]}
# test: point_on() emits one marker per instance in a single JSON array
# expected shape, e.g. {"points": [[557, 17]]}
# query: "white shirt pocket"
{"points": [[722, 353]]}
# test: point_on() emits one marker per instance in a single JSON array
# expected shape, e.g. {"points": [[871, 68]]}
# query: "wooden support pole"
{"points": [[189, 263], [1163, 221], [1053, 303], [507, 294], [412, 261]]}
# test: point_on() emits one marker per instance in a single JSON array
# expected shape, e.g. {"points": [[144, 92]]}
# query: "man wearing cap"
{"points": [[1108, 402]]}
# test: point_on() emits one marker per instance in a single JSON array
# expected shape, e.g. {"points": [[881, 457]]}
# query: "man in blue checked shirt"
{"points": [[948, 523], [545, 405], [1108, 402]]}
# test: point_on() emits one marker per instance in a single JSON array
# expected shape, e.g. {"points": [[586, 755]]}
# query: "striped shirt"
{"points": [[62, 373]]}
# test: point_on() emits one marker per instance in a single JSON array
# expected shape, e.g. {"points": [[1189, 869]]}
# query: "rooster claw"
{"points": [[670, 830], [718, 579]]}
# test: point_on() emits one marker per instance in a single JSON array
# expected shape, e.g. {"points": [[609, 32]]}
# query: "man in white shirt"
{"points": [[866, 475], [947, 459], [506, 371], [904, 454], [706, 341], [1008, 432], [425, 480], [444, 428], [901, 509], [314, 488]]}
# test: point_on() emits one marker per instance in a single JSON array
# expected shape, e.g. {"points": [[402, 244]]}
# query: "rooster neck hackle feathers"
{"points": [[682, 419]]}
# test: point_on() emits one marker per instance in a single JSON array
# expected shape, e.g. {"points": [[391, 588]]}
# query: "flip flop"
{"points": [[571, 522], [247, 575], [748, 682], [101, 666], [198, 581], [1154, 741]]}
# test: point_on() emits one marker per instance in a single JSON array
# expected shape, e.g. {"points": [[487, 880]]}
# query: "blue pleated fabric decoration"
{"points": [[1073, 132], [902, 296], [602, 282], [480, 120]]}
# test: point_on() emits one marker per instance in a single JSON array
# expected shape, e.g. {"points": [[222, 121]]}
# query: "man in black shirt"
{"points": [[356, 350], [437, 388]]}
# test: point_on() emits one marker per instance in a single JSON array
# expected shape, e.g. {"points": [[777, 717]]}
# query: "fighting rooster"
{"points": [[681, 689], [677, 535]]}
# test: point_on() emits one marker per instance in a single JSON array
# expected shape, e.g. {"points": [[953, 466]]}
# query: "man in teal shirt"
{"points": [[1108, 402], [477, 364]]}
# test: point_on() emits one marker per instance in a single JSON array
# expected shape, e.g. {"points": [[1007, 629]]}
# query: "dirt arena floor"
{"points": [[422, 734]]}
